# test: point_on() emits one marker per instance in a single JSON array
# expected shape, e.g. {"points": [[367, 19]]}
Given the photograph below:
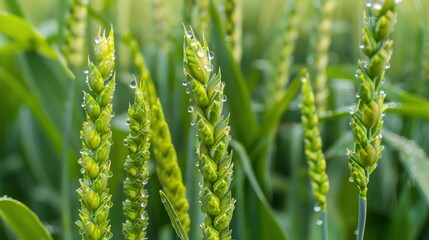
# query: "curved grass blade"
{"points": [[23, 222], [238, 92], [175, 221], [31, 101], [414, 159], [25, 37], [275, 229]]}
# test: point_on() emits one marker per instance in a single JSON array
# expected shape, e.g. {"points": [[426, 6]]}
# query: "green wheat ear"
{"points": [[215, 160], [96, 138], [163, 150], [74, 37], [233, 26], [137, 173], [313, 145], [367, 119]]}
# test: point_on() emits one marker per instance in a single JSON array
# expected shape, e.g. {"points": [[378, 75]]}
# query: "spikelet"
{"points": [[215, 160], [367, 119], [74, 37], [313, 145], [322, 54], [137, 173], [163, 150], [96, 138]]}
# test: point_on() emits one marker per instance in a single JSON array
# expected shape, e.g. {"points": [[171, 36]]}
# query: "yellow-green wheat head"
{"points": [[96, 138], [367, 118], [215, 161], [136, 171]]}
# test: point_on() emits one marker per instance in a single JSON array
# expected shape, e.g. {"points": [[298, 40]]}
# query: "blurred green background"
{"points": [[33, 90]]}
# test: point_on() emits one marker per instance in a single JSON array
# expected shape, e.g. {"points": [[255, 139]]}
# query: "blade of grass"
{"points": [[34, 105], [24, 222], [276, 229], [175, 221], [414, 159]]}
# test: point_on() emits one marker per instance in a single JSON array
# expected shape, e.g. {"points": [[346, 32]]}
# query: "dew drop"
{"points": [[211, 55], [351, 179], [224, 98], [357, 95], [379, 136], [319, 222], [352, 111], [133, 84], [163, 199], [356, 232], [190, 35], [185, 83], [200, 52], [368, 4], [193, 43], [97, 40], [82, 170], [317, 208], [190, 109], [86, 70], [145, 181], [387, 66], [82, 151], [209, 67], [228, 38], [361, 46], [177, 219], [303, 79], [187, 91], [382, 94], [377, 6], [223, 84]]}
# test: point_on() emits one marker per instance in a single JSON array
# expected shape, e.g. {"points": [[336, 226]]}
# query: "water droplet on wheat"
{"points": [[319, 222], [224, 98], [190, 35], [163, 199], [352, 111], [190, 109], [361, 46], [185, 83], [351, 179], [211, 55], [317, 208], [133, 84], [86, 70], [356, 232], [97, 40], [200, 52], [82, 170]]}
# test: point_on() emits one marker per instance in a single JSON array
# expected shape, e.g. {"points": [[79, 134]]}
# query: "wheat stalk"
{"points": [[137, 173], [215, 161], [322, 56], [163, 150], [367, 119], [74, 37], [96, 141], [313, 151]]}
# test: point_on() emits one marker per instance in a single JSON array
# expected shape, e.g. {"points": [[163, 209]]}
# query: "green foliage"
{"points": [[40, 119], [24, 222]]}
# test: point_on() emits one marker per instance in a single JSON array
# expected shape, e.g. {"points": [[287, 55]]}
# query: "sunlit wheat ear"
{"points": [[324, 28], [313, 145], [96, 138], [215, 160], [367, 118], [163, 151], [283, 54], [74, 37], [233, 26], [137, 174]]}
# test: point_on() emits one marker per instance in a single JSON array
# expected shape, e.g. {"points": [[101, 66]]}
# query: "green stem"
{"points": [[361, 218], [325, 224], [65, 206]]}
